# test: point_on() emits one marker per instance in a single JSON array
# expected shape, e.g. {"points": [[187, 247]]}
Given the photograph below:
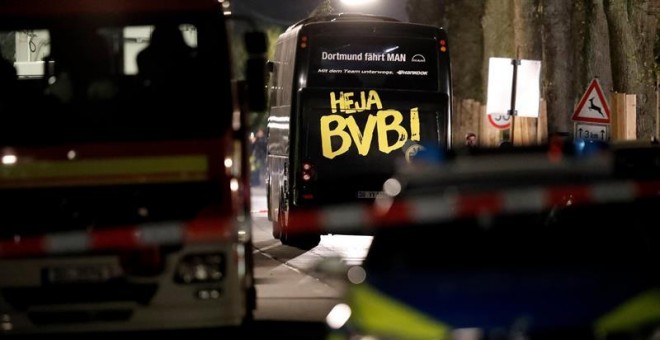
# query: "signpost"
{"points": [[592, 114]]}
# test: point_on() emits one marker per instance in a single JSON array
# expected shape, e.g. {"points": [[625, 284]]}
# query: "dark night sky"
{"points": [[287, 12]]}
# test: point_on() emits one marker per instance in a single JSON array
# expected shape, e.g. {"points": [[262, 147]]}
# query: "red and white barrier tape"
{"points": [[144, 235], [346, 218], [363, 218]]}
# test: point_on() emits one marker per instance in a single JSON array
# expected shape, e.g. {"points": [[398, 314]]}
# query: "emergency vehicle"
{"points": [[124, 190], [551, 244]]}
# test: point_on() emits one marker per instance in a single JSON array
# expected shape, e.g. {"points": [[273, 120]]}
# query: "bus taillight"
{"points": [[307, 172], [303, 41], [443, 45]]}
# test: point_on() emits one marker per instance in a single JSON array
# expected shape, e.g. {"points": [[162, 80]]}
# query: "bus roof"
{"points": [[343, 17]]}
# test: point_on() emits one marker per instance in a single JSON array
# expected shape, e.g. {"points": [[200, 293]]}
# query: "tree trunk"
{"points": [[527, 29], [466, 46], [591, 46], [626, 70], [498, 33], [498, 38], [558, 64], [597, 50], [655, 11], [8, 46], [624, 50], [646, 15], [632, 27], [429, 12]]}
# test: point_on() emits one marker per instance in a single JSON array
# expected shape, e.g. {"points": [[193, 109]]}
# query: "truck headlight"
{"points": [[198, 268]]}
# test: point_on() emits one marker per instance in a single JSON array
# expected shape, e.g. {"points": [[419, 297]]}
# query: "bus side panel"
{"points": [[299, 82], [279, 119]]}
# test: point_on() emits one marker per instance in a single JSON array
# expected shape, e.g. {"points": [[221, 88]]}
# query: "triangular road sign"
{"points": [[593, 106]]}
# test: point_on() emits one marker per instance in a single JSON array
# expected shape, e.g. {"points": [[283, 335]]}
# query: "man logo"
{"points": [[418, 58]]}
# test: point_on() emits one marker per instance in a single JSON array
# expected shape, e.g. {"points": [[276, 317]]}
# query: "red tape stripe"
{"points": [[473, 205], [126, 237], [24, 247]]}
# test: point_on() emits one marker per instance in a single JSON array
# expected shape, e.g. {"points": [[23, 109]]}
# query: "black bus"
{"points": [[350, 96]]}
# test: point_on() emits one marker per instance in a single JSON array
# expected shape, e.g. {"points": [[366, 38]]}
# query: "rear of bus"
{"points": [[375, 92], [120, 196]]}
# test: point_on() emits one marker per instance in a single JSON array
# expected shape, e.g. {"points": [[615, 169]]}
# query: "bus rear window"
{"points": [[376, 62]]}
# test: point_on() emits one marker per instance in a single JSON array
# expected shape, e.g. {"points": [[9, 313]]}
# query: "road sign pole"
{"points": [[512, 111]]}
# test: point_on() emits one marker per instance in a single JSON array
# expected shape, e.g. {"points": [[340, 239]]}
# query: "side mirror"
{"points": [[255, 73]]}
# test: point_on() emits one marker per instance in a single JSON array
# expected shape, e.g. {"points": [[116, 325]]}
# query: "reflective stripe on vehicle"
{"points": [[641, 311], [200, 230], [126, 170], [376, 314]]}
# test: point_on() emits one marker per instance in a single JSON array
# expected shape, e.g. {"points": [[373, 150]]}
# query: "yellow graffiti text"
{"points": [[347, 102], [334, 126]]}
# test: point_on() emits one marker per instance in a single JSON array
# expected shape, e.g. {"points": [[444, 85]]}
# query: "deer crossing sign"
{"points": [[593, 107]]}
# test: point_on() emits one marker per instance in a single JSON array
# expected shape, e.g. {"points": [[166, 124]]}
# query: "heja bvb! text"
{"points": [[342, 124]]}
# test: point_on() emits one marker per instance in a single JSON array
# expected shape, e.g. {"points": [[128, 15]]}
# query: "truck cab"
{"points": [[125, 182]]}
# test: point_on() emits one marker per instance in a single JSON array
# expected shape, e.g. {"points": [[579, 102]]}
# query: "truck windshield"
{"points": [[137, 81]]}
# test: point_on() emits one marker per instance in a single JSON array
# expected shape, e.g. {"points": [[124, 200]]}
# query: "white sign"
{"points": [[593, 106], [592, 131], [500, 84]]}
